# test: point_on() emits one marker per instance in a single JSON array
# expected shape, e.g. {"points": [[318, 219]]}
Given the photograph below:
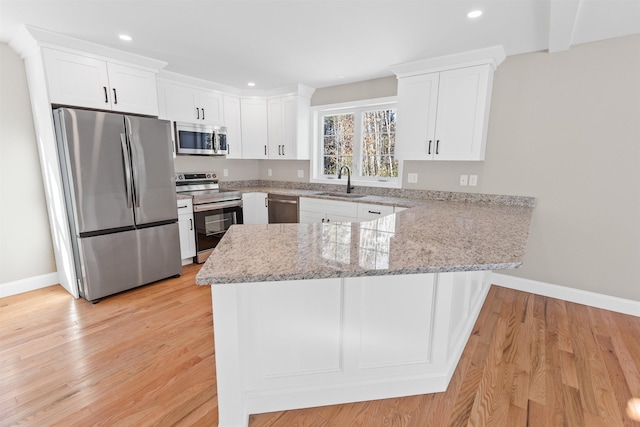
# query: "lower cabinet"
{"points": [[187, 232], [319, 210], [368, 212], [254, 208]]}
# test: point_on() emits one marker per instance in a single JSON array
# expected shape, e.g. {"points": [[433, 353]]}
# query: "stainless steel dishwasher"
{"points": [[282, 208]]}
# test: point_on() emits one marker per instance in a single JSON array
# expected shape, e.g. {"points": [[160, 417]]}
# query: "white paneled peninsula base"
{"points": [[316, 314]]}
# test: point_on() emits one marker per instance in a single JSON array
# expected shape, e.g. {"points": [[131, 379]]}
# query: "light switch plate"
{"points": [[269, 172], [225, 172], [412, 178], [473, 180]]}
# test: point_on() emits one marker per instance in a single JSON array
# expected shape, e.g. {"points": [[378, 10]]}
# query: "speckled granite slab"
{"points": [[436, 236]]}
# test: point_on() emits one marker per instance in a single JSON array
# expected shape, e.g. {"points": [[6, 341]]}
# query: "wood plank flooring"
{"points": [[146, 357]]}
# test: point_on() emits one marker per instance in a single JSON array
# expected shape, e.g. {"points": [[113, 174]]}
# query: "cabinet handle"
{"points": [[191, 221], [437, 146], [197, 113], [265, 150], [266, 202], [203, 114], [429, 151], [183, 207], [115, 96], [106, 95], [374, 212], [322, 219], [283, 150]]}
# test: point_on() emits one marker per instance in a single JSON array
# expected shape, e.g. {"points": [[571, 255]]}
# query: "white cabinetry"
{"points": [[187, 232], [443, 106], [368, 211], [92, 82], [254, 208], [192, 105], [253, 116], [232, 121], [320, 210], [288, 127]]}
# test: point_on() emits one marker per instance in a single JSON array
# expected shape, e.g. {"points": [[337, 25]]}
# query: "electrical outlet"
{"points": [[473, 180], [300, 173], [464, 179], [225, 172], [269, 172], [412, 178]]}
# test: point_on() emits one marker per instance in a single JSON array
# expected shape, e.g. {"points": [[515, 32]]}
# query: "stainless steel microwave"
{"points": [[201, 139]]}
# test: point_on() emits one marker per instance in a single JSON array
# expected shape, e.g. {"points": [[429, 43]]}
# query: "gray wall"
{"points": [[564, 128], [25, 237]]}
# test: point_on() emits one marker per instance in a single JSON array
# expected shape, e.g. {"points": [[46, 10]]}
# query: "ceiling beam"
{"points": [[562, 21]]}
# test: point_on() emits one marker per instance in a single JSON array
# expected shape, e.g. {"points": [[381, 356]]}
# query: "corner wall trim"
{"points": [[28, 284], [607, 302]]}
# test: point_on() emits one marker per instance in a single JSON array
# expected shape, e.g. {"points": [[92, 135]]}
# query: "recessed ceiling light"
{"points": [[125, 37], [474, 13], [251, 84]]}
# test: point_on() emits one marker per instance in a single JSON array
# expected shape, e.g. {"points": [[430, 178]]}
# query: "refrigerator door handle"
{"points": [[127, 168], [136, 172]]}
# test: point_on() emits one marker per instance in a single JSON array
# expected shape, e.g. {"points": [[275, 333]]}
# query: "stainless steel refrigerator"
{"points": [[118, 178]]}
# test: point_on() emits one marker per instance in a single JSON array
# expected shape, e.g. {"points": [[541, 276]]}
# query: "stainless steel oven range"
{"points": [[214, 211]]}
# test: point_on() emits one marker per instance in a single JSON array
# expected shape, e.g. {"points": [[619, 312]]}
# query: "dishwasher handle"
{"points": [[288, 202]]}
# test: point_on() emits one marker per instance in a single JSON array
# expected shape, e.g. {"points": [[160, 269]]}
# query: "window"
{"points": [[359, 136]]}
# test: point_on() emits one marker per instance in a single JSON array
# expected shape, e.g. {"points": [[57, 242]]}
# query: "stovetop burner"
{"points": [[204, 188]]}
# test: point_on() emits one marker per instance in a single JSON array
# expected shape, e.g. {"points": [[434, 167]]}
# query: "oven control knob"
{"points": [[208, 175], [180, 177]]}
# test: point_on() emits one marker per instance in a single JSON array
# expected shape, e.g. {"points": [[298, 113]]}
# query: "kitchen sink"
{"points": [[344, 195]]}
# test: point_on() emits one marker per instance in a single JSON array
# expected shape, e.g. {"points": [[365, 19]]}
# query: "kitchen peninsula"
{"points": [[316, 314]]}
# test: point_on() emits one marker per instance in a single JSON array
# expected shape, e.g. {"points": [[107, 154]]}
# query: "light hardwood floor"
{"points": [[146, 357]]}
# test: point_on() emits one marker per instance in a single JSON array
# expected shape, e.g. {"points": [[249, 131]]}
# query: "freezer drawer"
{"points": [[117, 262]]}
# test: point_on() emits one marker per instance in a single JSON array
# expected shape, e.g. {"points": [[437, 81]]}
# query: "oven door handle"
{"points": [[215, 206]]}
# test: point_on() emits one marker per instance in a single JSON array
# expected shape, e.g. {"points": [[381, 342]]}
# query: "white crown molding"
{"points": [[564, 293], [28, 38], [491, 55]]}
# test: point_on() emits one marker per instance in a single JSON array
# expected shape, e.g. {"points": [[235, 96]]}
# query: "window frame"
{"points": [[317, 153]]}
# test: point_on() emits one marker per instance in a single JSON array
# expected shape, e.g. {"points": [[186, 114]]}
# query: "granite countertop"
{"points": [[432, 236]]}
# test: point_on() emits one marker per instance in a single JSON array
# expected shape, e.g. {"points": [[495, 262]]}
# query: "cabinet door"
{"points": [[211, 107], [253, 113], [274, 131], [232, 123], [416, 127], [462, 113], [180, 103], [254, 208], [132, 90], [291, 123], [77, 80], [187, 236], [368, 211], [307, 217]]}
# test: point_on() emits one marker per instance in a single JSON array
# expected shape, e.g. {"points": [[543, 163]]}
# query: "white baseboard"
{"points": [[578, 296], [28, 284]]}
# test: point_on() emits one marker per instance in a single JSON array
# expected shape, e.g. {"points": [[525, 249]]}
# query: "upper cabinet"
{"points": [[288, 127], [443, 106], [253, 119], [232, 121], [192, 105], [87, 81]]}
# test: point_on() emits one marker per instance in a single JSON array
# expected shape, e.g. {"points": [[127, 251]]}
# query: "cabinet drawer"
{"points": [[185, 206], [367, 211], [330, 207]]}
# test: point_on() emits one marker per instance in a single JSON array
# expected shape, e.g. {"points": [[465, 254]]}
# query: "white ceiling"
{"points": [[277, 43]]}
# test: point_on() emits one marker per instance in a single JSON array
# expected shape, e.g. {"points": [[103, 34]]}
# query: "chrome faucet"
{"points": [[349, 187]]}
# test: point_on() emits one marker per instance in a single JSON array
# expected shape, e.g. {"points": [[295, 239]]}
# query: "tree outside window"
{"points": [[363, 139]]}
